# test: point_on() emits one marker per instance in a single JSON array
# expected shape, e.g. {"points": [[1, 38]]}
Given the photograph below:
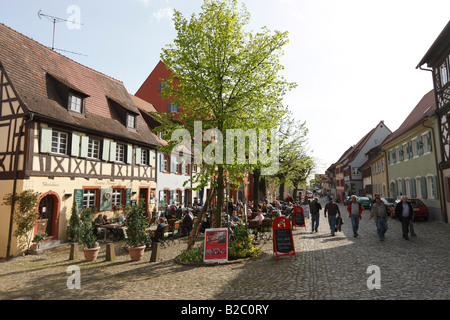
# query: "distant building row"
{"points": [[414, 160]]}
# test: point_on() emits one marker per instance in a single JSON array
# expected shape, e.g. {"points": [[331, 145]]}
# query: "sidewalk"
{"points": [[326, 268]]}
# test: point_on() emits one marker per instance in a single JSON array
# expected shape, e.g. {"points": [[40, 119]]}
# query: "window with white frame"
{"points": [[75, 103], [430, 187], [93, 149], [131, 121], [444, 74], [120, 152], [408, 187], [89, 198], [145, 157], [59, 142], [116, 197], [418, 188]]}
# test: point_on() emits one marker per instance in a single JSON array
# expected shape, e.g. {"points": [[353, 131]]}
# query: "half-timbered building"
{"points": [[71, 133], [437, 59]]}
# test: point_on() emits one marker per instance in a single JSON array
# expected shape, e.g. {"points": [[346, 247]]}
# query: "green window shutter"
{"points": [[435, 187], [129, 153], [84, 146], [413, 188], [106, 199], [46, 139], [389, 158], [429, 143], [79, 199], [75, 149], [161, 162], [105, 152], [112, 151], [403, 187], [138, 156], [411, 154], [423, 187], [128, 197], [419, 146], [396, 189]]}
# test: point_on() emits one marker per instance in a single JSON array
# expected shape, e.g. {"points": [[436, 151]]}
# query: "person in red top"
{"points": [[355, 210]]}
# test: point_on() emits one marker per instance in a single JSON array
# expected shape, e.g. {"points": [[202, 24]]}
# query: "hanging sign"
{"points": [[216, 245], [283, 243], [298, 217]]}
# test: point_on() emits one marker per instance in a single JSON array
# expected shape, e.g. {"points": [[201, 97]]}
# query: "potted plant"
{"points": [[38, 238], [137, 225], [74, 228], [87, 236]]}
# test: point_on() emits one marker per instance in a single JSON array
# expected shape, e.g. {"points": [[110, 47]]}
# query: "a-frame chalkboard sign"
{"points": [[283, 243]]}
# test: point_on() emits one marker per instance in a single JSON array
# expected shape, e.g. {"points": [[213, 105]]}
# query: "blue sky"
{"points": [[354, 60]]}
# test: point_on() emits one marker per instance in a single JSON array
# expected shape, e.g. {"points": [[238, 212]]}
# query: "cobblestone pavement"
{"points": [[325, 268]]}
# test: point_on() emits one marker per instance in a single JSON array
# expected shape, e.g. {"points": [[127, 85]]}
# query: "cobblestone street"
{"points": [[325, 268]]}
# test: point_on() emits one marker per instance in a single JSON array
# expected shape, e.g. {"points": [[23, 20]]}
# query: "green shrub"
{"points": [[243, 246]]}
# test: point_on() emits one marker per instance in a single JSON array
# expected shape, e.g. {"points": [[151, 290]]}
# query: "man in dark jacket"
{"points": [[405, 213], [333, 209]]}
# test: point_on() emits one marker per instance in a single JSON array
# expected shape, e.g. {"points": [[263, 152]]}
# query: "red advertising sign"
{"points": [[298, 217], [283, 243], [216, 245]]}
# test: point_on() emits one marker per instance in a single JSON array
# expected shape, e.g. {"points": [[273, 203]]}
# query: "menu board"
{"points": [[283, 244], [299, 217], [216, 245]]}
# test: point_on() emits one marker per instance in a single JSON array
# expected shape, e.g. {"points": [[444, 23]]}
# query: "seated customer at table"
{"points": [[158, 234], [234, 219], [259, 217], [98, 222], [106, 220]]}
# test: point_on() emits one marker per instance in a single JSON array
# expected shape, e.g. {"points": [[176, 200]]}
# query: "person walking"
{"points": [[314, 210], [355, 210], [379, 213], [333, 209], [405, 213]]}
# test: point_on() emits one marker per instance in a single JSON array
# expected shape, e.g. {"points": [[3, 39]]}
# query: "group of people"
{"points": [[379, 213]]}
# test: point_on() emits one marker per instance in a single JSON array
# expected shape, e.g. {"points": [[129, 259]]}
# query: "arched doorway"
{"points": [[48, 218]]}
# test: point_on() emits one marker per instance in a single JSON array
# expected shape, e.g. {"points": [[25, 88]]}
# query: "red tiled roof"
{"points": [[425, 107], [31, 66]]}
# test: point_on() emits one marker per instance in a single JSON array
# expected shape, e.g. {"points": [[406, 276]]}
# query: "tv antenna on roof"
{"points": [[58, 20]]}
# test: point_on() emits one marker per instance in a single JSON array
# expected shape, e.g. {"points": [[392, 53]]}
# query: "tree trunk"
{"points": [[282, 191], [256, 177], [201, 216], [220, 198]]}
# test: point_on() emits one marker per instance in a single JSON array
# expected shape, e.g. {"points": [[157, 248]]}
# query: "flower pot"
{"points": [[91, 254], [136, 253]]}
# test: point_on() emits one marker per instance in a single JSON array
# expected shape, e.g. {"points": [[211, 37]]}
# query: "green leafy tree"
{"points": [[25, 213], [227, 78]]}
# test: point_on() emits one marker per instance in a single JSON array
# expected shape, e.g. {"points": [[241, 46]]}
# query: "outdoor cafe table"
{"points": [[114, 228]]}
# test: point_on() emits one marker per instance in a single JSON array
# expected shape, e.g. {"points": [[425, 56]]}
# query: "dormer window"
{"points": [[131, 121], [75, 103]]}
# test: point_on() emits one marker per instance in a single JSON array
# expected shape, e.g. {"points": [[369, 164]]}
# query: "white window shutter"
{"points": [[105, 153], [138, 155], [75, 150], [46, 139], [112, 151], [129, 153], [84, 146]]}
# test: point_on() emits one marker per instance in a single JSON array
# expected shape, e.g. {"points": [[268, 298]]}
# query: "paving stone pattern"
{"points": [[325, 268]]}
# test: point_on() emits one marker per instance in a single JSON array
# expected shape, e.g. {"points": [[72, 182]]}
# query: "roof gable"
{"points": [[38, 74]]}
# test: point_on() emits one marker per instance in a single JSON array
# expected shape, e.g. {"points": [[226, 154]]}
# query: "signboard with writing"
{"points": [[79, 199], [216, 245], [298, 217], [283, 243]]}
